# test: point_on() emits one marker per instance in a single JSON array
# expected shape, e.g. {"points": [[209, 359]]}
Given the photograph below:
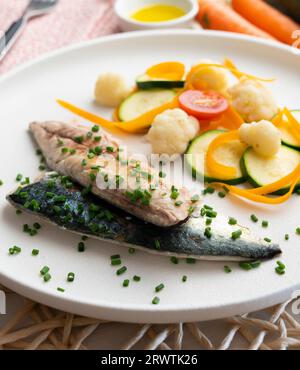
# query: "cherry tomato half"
{"points": [[204, 105]]}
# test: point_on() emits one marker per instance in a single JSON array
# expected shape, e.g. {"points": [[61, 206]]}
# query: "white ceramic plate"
{"points": [[29, 93]]}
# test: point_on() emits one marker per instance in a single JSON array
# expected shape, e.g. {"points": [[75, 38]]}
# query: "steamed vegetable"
{"points": [[253, 100], [205, 105], [111, 89], [227, 154], [171, 132], [146, 82], [262, 171], [205, 77], [216, 15], [262, 136], [267, 18], [142, 102]]}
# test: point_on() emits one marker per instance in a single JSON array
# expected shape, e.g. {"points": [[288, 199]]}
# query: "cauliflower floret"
{"points": [[209, 78], [263, 136], [111, 89], [253, 100], [171, 132]]}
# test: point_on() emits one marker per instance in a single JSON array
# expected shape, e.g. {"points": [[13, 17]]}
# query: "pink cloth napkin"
{"points": [[71, 21]]}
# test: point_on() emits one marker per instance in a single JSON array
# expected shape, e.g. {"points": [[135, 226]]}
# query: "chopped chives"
{"points": [[62, 290], [95, 128], [208, 233], [236, 234], [174, 260], [162, 174], [37, 226], [44, 270], [157, 244], [136, 278], [208, 190], [191, 261], [19, 177], [268, 240], [298, 231], [116, 262], [110, 149], [265, 223], [178, 204], [115, 257], [81, 247], [184, 278], [210, 213], [254, 218], [232, 221], [79, 139], [83, 162], [221, 194], [33, 232], [15, 250], [92, 176], [1, 182], [249, 265], [97, 138], [159, 287], [122, 270], [47, 277], [286, 237], [42, 167], [70, 277], [208, 221], [155, 300], [35, 252], [84, 238], [126, 283], [131, 250], [227, 269], [64, 150]]}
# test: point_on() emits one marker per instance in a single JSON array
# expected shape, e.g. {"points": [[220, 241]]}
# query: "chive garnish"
{"points": [[126, 283], [122, 270], [64, 150], [249, 265], [178, 204], [62, 290], [254, 218], [92, 176], [211, 213], [236, 234], [95, 128], [191, 261], [19, 177], [280, 269], [162, 174], [47, 277], [208, 190], [155, 300], [184, 278], [97, 138], [35, 252], [42, 167], [70, 277], [265, 223], [131, 250], [83, 162], [81, 247], [91, 155], [116, 262], [208, 233], [286, 237], [37, 226], [137, 278], [115, 257], [232, 221], [159, 287], [79, 139], [84, 238], [14, 250], [268, 240], [221, 194], [44, 270], [298, 231], [174, 260], [157, 244], [227, 269], [208, 221]]}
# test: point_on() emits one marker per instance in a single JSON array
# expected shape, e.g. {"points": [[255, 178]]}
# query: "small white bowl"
{"points": [[125, 8]]}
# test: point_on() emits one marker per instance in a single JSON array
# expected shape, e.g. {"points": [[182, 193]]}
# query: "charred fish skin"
{"points": [[66, 146], [65, 204]]}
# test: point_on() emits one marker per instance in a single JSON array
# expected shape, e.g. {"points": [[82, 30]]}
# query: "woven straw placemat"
{"points": [[35, 326]]}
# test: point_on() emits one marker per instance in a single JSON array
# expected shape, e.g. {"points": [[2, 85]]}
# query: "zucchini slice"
{"points": [[286, 137], [263, 171], [228, 154], [146, 82], [141, 102]]}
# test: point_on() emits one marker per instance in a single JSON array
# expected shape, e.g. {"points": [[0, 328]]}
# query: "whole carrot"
{"points": [[217, 15], [267, 18]]}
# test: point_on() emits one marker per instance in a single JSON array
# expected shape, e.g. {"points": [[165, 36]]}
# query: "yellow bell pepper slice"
{"points": [[136, 125], [167, 71], [217, 169], [258, 194]]}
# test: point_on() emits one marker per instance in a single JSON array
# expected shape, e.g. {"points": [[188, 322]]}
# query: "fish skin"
{"points": [[161, 211], [113, 224]]}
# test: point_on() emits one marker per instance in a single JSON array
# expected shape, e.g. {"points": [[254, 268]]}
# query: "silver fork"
{"points": [[35, 8]]}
